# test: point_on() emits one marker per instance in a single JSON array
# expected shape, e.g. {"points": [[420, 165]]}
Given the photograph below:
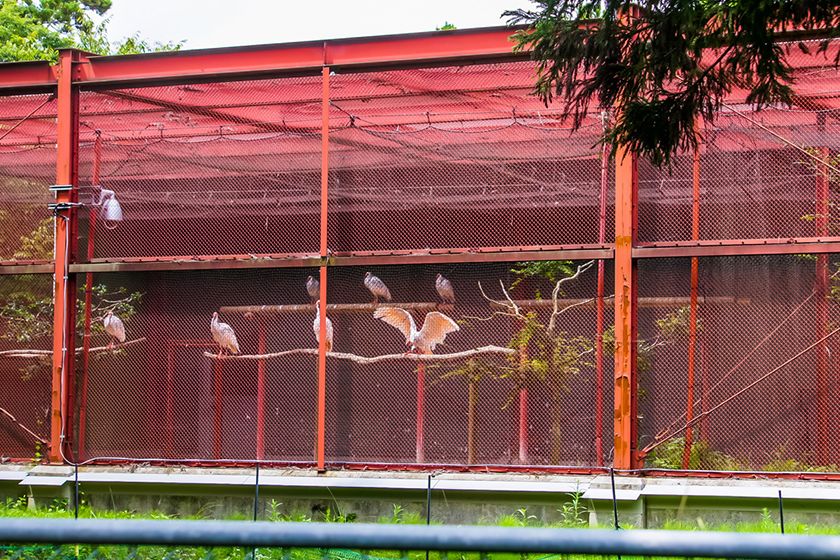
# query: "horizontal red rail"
{"points": [[459, 46], [737, 247]]}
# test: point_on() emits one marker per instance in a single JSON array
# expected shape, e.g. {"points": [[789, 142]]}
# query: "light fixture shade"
{"points": [[110, 208]]}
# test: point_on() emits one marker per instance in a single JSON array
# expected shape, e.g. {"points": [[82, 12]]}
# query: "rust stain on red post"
{"points": [[626, 183], [692, 320], [821, 287], [321, 422], [64, 335]]}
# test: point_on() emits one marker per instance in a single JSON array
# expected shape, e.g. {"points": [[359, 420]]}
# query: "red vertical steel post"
{"points": [[523, 426], [97, 162], [260, 390], [170, 401], [599, 310], [821, 287], [523, 407], [624, 422], [64, 315], [692, 319], [420, 445], [217, 409], [321, 424], [704, 379]]}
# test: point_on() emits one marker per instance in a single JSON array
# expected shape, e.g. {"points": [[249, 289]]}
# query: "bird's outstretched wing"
{"points": [[435, 328], [115, 327], [398, 318]]}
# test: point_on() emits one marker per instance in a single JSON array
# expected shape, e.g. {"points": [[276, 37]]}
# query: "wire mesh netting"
{"points": [[227, 168], [456, 151], [764, 384], [465, 156], [25, 360], [450, 158], [511, 394], [759, 170], [160, 395], [27, 169]]}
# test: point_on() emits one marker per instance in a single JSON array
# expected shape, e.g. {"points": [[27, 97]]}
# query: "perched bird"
{"points": [[316, 327], [377, 287], [444, 289], [114, 327], [435, 328], [223, 335], [313, 288]]}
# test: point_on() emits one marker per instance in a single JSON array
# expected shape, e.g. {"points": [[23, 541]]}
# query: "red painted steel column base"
{"points": [[217, 409], [523, 426], [261, 391], [420, 446]]}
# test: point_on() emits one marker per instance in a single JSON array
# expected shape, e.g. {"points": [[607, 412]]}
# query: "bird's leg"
{"points": [[110, 344], [219, 357], [375, 300]]}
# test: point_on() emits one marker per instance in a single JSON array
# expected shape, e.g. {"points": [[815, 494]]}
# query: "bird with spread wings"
{"points": [[435, 328]]}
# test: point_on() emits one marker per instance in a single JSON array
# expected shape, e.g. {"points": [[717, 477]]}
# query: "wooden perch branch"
{"points": [[425, 358], [332, 308], [30, 353]]}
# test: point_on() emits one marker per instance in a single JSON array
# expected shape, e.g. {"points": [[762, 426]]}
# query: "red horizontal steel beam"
{"points": [[449, 47], [296, 58], [714, 248], [26, 267], [27, 77], [737, 247], [571, 252]]}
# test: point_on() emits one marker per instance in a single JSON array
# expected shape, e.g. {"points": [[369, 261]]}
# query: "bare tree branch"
{"points": [[556, 294], [371, 360]]}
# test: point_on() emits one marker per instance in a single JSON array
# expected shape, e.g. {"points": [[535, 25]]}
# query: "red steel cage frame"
{"points": [[77, 70]]}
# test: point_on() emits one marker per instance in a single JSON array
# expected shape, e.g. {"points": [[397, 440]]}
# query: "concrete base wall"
{"points": [[457, 498]]}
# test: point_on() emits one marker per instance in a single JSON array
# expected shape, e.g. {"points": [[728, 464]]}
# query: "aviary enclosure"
{"points": [[608, 313]]}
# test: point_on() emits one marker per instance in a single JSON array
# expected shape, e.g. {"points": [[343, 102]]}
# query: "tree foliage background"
{"points": [[36, 29], [662, 64]]}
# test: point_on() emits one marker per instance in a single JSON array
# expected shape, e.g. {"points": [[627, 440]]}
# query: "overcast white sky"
{"points": [[224, 23]]}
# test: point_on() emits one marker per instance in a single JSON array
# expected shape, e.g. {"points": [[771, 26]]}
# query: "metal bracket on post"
{"points": [[55, 189], [61, 206]]}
